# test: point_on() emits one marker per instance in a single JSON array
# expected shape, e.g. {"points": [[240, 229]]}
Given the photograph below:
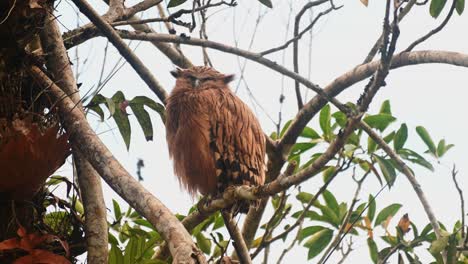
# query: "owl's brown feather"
{"points": [[213, 137]]}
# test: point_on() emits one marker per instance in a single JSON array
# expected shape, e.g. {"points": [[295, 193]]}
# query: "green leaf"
{"points": [[110, 105], [439, 244], [331, 202], [143, 119], [436, 7], [387, 212], [460, 6], [329, 172], [267, 3], [143, 100], [318, 242], [385, 108], [379, 121], [442, 148], [371, 145], [422, 132], [117, 211], [203, 243], [121, 118], [301, 147], [115, 255], [133, 249], [374, 252], [285, 128], [330, 216], [309, 133], [340, 118], [414, 157], [325, 121], [400, 137], [388, 138], [174, 3], [387, 169], [98, 110], [308, 231], [372, 207], [304, 197]]}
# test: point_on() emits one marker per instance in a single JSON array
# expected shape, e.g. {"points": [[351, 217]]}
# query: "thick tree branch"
{"points": [[90, 184], [95, 211], [124, 50], [85, 139]]}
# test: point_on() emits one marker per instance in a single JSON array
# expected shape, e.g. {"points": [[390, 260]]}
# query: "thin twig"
{"points": [[344, 224], [378, 42], [435, 30], [462, 201]]}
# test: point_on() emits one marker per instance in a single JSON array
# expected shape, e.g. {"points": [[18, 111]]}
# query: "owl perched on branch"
{"points": [[213, 137]]}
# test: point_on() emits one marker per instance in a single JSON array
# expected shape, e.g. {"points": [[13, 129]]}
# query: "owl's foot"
{"points": [[204, 203]]}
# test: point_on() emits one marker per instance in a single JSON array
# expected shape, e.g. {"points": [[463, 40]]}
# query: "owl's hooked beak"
{"points": [[196, 83]]}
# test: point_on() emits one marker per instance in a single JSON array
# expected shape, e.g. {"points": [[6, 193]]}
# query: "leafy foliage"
{"points": [[117, 106]]}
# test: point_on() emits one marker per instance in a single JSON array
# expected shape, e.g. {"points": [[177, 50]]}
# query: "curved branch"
{"points": [[85, 139], [435, 30]]}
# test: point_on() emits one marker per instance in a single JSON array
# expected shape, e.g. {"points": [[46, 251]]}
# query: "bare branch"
{"points": [[95, 211], [435, 30], [462, 201], [344, 228]]}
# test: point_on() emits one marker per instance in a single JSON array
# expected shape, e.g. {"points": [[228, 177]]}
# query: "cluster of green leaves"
{"points": [[132, 238], [437, 6], [365, 157], [117, 106]]}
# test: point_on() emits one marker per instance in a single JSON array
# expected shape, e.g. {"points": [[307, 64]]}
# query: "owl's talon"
{"points": [[204, 202]]}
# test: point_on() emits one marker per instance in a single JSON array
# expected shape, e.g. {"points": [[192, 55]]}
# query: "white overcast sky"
{"points": [[430, 95]]}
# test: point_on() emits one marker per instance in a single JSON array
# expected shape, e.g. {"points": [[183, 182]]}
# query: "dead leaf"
{"points": [[9, 244], [370, 232], [365, 2], [404, 224]]}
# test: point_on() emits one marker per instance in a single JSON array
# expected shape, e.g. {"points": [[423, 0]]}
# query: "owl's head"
{"points": [[201, 77]]}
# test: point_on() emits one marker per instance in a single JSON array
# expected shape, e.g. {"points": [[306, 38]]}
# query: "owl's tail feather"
{"points": [[243, 207]]}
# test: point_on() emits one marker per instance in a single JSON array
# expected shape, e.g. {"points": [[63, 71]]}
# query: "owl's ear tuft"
{"points": [[176, 72], [228, 78]]}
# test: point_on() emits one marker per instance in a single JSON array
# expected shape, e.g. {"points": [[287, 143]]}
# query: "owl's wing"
{"points": [[237, 142]]}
